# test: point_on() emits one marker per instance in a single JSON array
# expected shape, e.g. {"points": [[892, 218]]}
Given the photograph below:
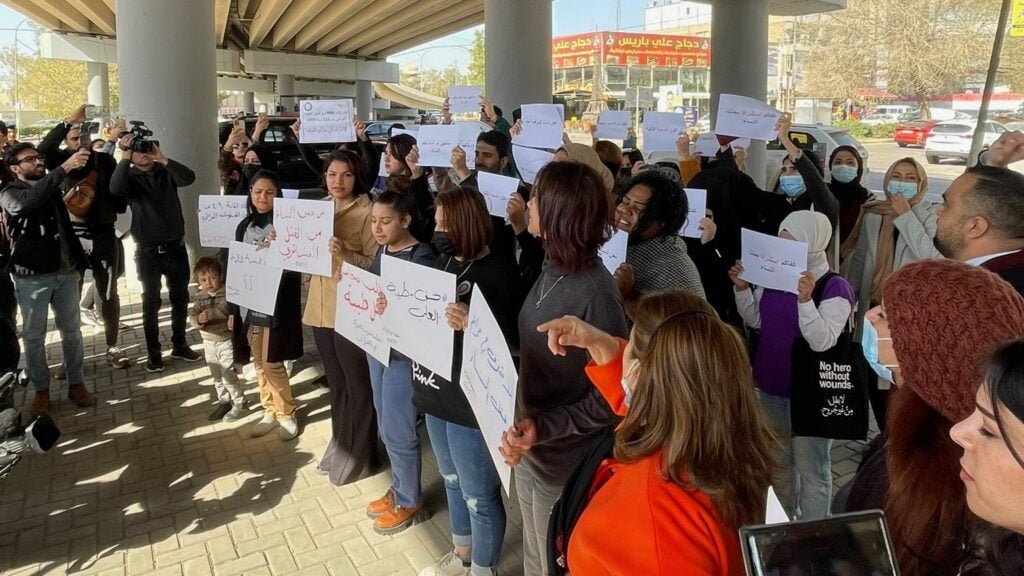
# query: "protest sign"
{"points": [[468, 133], [435, 143], [661, 130], [613, 124], [529, 161], [290, 193], [252, 280], [464, 99], [497, 190], [326, 121], [707, 144], [303, 229], [355, 315], [383, 170], [772, 262], [218, 219], [489, 380], [543, 125], [613, 253], [696, 201], [414, 320], [746, 118]]}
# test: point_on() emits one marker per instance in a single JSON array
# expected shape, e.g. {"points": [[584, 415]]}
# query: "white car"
{"points": [[952, 139], [879, 119]]}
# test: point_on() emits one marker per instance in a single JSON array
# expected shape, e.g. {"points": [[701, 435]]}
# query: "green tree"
{"points": [[476, 74]]}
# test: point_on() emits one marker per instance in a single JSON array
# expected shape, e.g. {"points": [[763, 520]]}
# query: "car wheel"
{"points": [[932, 159], [901, 144]]}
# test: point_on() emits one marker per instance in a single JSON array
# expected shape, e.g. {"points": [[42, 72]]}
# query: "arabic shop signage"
{"points": [[630, 49]]}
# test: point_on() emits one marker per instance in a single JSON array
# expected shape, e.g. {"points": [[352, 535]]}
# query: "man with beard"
{"points": [[93, 223], [45, 259]]}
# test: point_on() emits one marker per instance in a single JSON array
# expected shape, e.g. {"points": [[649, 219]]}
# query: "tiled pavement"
{"points": [[142, 483]]}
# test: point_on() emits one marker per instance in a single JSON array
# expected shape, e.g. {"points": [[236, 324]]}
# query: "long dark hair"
{"points": [[399, 147], [667, 205], [355, 165]]}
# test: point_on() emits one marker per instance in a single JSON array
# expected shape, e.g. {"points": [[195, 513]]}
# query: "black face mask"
{"points": [[250, 170], [443, 242]]}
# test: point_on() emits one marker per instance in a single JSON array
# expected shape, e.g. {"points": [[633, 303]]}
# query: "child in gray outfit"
{"points": [[210, 313]]}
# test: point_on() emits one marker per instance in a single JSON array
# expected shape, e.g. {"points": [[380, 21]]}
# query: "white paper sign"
{"points": [[414, 321], [290, 193], [468, 133], [774, 512], [383, 171], [661, 130], [326, 121], [707, 144], [252, 280], [613, 253], [697, 201], [355, 315], [772, 262], [303, 229], [543, 125], [463, 99], [436, 143], [746, 117], [399, 131], [218, 219], [613, 124], [497, 190], [529, 161], [489, 380]]}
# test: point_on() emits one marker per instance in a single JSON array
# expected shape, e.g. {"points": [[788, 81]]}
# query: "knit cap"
{"points": [[945, 318]]}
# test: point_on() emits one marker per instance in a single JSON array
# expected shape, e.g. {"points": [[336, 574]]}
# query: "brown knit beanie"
{"points": [[945, 317]]}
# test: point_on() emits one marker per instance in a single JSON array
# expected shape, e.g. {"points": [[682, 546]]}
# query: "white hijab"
{"points": [[814, 229]]}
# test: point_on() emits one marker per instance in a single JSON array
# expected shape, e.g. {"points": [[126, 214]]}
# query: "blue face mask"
{"points": [[869, 341], [843, 173], [906, 189], [792, 186]]}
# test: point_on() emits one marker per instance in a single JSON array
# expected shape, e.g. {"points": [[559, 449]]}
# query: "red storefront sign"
{"points": [[631, 49]]}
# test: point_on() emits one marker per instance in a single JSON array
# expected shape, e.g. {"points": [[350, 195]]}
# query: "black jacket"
{"points": [[153, 196], [40, 227]]}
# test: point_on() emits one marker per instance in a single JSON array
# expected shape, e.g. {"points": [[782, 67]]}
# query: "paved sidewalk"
{"points": [[142, 483]]}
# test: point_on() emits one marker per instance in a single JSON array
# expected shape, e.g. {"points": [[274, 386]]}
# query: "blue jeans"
{"points": [[803, 480], [35, 295], [396, 423], [475, 509]]}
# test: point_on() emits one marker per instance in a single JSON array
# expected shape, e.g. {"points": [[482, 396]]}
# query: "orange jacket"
{"points": [[637, 522]]}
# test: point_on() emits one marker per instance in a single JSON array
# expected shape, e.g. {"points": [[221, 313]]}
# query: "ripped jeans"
{"points": [[475, 509]]}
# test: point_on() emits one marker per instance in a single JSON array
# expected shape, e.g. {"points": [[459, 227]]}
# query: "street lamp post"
{"points": [[17, 99]]}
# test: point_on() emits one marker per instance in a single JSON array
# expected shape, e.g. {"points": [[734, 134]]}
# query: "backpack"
{"points": [[81, 195], [570, 505]]}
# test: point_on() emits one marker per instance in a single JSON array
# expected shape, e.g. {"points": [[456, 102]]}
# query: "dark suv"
{"points": [[282, 145]]}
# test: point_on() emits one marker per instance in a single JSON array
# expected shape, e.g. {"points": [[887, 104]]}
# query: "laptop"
{"points": [[855, 544]]}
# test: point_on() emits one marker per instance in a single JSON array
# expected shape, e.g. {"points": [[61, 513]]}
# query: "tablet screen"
{"points": [[848, 545]]}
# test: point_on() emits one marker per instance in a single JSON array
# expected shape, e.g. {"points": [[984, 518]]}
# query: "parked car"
{"points": [[818, 138], [378, 131], [1011, 126], [879, 119], [913, 133], [952, 139], [279, 141]]}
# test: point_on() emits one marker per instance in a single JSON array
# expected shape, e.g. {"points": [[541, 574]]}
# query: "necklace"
{"points": [[544, 293], [458, 275]]}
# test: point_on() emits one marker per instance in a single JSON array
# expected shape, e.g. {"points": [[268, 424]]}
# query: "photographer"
{"points": [[45, 259], [93, 211], [149, 181]]}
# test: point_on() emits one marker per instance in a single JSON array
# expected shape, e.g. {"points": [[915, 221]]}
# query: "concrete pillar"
{"points": [[176, 98], [249, 102], [285, 91], [364, 100], [98, 82], [739, 56], [517, 45]]}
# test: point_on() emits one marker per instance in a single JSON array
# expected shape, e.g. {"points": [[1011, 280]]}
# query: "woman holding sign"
{"points": [[271, 339], [692, 459], [402, 160], [352, 451], [818, 314], [559, 412]]}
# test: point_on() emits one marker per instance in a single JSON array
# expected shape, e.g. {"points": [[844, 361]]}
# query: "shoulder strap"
{"points": [[819, 287]]}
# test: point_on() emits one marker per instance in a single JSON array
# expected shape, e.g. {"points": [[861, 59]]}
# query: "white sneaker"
{"points": [[236, 412], [263, 427], [449, 565], [289, 429]]}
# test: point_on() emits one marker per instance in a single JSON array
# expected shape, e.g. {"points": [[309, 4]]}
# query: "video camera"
{"points": [[39, 436], [141, 143]]}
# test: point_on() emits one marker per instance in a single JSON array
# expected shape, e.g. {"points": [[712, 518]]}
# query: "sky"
{"points": [[568, 17]]}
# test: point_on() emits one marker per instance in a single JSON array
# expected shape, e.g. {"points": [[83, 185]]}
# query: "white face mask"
{"points": [[627, 385]]}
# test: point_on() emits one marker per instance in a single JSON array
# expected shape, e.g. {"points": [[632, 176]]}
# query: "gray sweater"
{"points": [[554, 390]]}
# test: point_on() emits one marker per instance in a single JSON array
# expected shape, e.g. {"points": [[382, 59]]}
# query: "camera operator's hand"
{"points": [[78, 116], [125, 143], [77, 160], [157, 155]]}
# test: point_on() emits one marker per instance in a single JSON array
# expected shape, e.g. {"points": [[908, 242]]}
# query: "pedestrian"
{"points": [[210, 314], [847, 168]]}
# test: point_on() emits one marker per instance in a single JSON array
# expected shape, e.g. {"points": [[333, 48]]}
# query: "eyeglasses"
{"points": [[36, 158], [632, 205]]}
